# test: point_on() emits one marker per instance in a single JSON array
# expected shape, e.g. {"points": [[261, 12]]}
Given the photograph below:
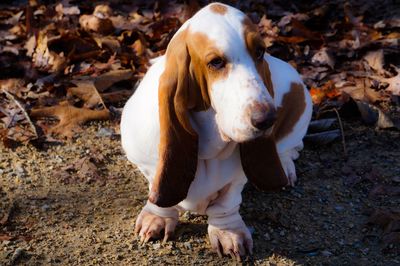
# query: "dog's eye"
{"points": [[260, 51], [217, 63]]}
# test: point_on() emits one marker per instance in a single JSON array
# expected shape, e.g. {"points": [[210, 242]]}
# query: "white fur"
{"points": [[219, 163]]}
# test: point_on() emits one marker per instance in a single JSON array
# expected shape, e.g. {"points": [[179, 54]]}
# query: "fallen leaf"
{"points": [[96, 24], [327, 91], [70, 117], [375, 60], [394, 84], [323, 57], [373, 115], [67, 10], [104, 81]]}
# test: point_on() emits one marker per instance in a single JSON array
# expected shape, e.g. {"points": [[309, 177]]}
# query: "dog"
{"points": [[215, 111]]}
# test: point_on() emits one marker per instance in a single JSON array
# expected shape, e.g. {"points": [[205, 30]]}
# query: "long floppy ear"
{"points": [[261, 164], [178, 146]]}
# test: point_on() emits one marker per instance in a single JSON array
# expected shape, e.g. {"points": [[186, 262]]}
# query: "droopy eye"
{"points": [[260, 52], [217, 63]]}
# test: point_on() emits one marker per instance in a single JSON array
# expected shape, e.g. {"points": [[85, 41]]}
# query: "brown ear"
{"points": [[178, 146], [261, 164]]}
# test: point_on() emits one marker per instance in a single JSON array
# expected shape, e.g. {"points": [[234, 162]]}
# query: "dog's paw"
{"points": [[149, 225], [233, 241], [288, 165]]}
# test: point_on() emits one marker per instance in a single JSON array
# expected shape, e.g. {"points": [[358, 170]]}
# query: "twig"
{"points": [[11, 97], [342, 132]]}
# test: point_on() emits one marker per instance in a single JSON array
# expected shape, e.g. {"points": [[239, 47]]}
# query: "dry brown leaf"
{"points": [[104, 81], [268, 29], [67, 10], [87, 92], [96, 24], [327, 91], [323, 57], [102, 11], [45, 59], [360, 90], [375, 60], [394, 84], [70, 117], [16, 122]]}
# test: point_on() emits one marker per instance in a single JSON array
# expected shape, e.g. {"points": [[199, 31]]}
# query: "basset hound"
{"points": [[212, 113]]}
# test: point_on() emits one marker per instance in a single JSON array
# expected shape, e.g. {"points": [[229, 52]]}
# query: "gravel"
{"points": [[61, 218]]}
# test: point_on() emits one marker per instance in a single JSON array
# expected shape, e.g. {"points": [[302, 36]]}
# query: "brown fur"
{"points": [[253, 41], [293, 106], [178, 146], [260, 159], [261, 164], [219, 9], [183, 87]]}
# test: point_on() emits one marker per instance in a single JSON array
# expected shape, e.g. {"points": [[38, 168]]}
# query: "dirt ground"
{"points": [[54, 215]]}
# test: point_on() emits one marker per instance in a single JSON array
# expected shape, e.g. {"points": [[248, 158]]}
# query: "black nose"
{"points": [[263, 120]]}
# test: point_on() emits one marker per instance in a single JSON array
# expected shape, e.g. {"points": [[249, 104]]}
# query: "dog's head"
{"points": [[216, 59]]}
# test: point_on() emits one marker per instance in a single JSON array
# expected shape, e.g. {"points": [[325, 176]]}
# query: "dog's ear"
{"points": [[261, 164], [178, 148]]}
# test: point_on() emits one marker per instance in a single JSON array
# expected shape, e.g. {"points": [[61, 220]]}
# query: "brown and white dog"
{"points": [[212, 113]]}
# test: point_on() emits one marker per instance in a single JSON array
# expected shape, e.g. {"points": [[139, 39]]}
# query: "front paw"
{"points": [[288, 165], [149, 225], [233, 241]]}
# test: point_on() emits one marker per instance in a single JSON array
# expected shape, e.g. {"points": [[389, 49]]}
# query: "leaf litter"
{"points": [[78, 62]]}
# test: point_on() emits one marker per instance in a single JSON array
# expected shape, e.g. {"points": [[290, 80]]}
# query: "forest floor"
{"points": [[68, 195], [57, 215]]}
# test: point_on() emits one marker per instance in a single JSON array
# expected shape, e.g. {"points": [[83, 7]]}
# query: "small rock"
{"points": [[156, 246], [326, 253], [19, 170], [187, 245], [17, 254], [105, 132], [282, 233], [186, 215], [45, 207], [267, 237]]}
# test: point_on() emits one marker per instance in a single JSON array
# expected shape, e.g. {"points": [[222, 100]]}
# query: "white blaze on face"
{"points": [[233, 96]]}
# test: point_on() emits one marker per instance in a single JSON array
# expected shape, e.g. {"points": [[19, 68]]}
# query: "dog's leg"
{"points": [[287, 160], [227, 232], [153, 219]]}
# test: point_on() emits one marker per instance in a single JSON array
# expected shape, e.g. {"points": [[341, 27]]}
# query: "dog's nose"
{"points": [[263, 120]]}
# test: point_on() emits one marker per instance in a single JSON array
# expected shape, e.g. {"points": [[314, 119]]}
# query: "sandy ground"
{"points": [[56, 209]]}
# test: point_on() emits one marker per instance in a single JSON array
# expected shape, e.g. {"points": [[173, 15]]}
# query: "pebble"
{"points": [[187, 245], [186, 215], [104, 132], [19, 170], [267, 237], [282, 233], [17, 253], [156, 246], [326, 253], [45, 207]]}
